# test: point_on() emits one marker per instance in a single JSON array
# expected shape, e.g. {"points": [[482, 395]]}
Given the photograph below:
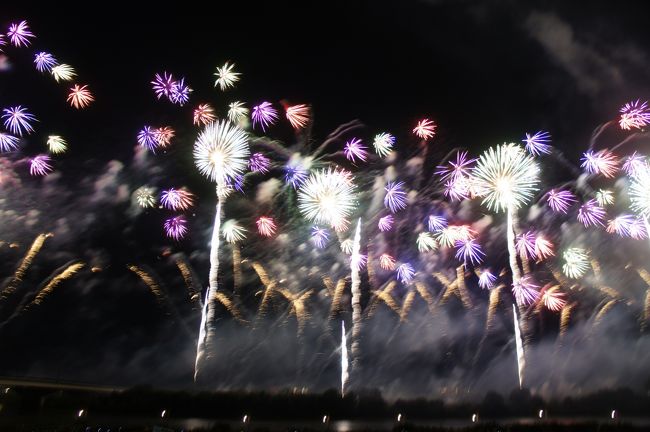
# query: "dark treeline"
{"points": [[148, 402]]}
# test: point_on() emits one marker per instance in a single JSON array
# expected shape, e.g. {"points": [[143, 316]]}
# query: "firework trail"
{"points": [[188, 277], [643, 273], [269, 287], [150, 282], [67, 273], [356, 298], [426, 296], [385, 296], [24, 265], [236, 265], [521, 359], [603, 311], [489, 320], [565, 317], [406, 305], [298, 304], [223, 299], [337, 294], [456, 287], [344, 359]]}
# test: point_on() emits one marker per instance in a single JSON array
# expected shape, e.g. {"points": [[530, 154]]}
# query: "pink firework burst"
{"points": [[266, 226], [298, 115], [387, 262], [526, 244], [148, 137], [163, 136], [259, 163], [590, 214], [469, 249], [553, 298], [264, 115], [634, 164], [176, 199], [620, 225], [80, 97], [425, 129], [525, 291], [176, 227], [8, 142], [634, 115], [355, 149], [180, 92], [395, 198], [436, 223], [203, 115], [603, 162], [163, 85], [537, 143], [543, 248], [19, 34], [560, 200], [385, 223], [40, 165], [638, 230]]}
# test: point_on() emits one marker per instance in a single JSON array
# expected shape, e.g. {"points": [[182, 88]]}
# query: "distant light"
{"points": [[614, 414], [162, 414], [399, 417], [325, 418], [80, 413], [541, 413], [474, 418], [245, 419]]}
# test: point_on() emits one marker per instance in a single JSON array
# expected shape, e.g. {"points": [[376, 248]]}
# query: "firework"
{"points": [[590, 214], [458, 188], [406, 305], [176, 227], [354, 149], [634, 114], [603, 162], [237, 112], [163, 85], [621, 225], [383, 143], [8, 142], [469, 250], [436, 223], [44, 62], [319, 236], [295, 173], [150, 282], [67, 273], [526, 244], [226, 76], [634, 164], [460, 168], [525, 290], [521, 358], [221, 152], [543, 248], [346, 246], [19, 34], [553, 298], [486, 280], [232, 231], [560, 200], [266, 226], [385, 296], [176, 199], [576, 262], [344, 359], [337, 294], [385, 223], [3, 42], [144, 196], [264, 114], [24, 265], [163, 136], [80, 97], [327, 196], [638, 229], [425, 242], [356, 261], [507, 176], [180, 92], [448, 236], [387, 262], [148, 138], [298, 115], [640, 193], [537, 143], [40, 165], [405, 273], [63, 72], [604, 197], [56, 144], [425, 129], [395, 198], [203, 114], [17, 120]]}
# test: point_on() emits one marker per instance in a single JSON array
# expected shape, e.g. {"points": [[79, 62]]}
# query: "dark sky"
{"points": [[486, 72]]}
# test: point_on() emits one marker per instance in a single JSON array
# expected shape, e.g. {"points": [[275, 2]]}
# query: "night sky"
{"points": [[486, 72]]}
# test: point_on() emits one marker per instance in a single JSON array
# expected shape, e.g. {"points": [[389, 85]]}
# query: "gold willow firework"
{"points": [[150, 282], [385, 296], [186, 272], [457, 287], [406, 305], [603, 311], [336, 293], [34, 249], [67, 273], [227, 303], [426, 296], [298, 306], [269, 287]]}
